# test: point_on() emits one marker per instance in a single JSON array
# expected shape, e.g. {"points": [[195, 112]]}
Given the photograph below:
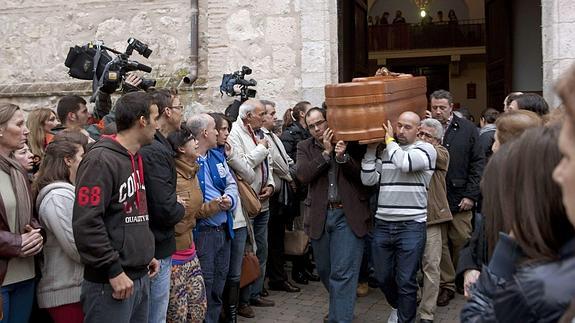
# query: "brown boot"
{"points": [[246, 311]]}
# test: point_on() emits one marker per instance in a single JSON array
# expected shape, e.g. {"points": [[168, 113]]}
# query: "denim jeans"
{"points": [[213, 248], [17, 301], [338, 257], [160, 292], [238, 245], [397, 251], [260, 224], [99, 306]]}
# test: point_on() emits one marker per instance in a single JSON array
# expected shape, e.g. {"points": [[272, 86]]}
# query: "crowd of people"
{"points": [[138, 214]]}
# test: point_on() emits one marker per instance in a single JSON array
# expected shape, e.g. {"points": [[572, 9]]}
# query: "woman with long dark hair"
{"points": [[62, 271], [527, 232], [20, 235]]}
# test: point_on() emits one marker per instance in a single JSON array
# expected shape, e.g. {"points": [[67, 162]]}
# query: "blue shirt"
{"points": [[211, 192]]}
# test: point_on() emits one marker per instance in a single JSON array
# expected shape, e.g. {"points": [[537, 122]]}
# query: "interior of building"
{"points": [[479, 50]]}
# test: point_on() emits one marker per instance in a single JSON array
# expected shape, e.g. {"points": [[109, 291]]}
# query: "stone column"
{"points": [[558, 32], [319, 48]]}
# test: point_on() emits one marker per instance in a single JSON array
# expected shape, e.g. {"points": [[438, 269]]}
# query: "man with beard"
{"points": [[400, 229]]}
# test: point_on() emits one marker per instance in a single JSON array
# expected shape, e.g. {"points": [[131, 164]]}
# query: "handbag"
{"points": [[250, 269], [295, 242], [251, 204]]}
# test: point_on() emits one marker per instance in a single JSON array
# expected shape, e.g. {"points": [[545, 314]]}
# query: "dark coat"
{"points": [[160, 178], [532, 293], [312, 169], [466, 162], [291, 136]]}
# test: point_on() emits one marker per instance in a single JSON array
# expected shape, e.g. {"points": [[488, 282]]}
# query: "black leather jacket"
{"points": [[535, 293]]}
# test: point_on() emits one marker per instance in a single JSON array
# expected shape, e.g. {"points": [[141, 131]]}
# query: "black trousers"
{"points": [[276, 232]]}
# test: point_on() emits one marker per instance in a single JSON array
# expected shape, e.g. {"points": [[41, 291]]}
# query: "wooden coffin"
{"points": [[357, 110]]}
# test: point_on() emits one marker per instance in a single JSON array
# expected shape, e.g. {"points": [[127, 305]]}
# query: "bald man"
{"points": [[403, 171]]}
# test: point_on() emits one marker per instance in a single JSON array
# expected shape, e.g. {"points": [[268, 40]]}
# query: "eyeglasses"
{"points": [[316, 125], [422, 134]]}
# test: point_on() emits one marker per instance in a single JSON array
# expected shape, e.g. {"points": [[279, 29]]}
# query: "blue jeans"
{"points": [[99, 305], [160, 292], [213, 248], [397, 250], [237, 253], [260, 224], [338, 257], [17, 301]]}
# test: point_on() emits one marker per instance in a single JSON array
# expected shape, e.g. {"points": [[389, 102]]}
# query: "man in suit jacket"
{"points": [[463, 177], [337, 212]]}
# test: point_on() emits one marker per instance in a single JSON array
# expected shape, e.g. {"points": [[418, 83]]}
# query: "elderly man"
{"points": [[337, 212], [214, 233], [248, 140], [466, 162], [399, 234], [279, 201], [438, 214]]}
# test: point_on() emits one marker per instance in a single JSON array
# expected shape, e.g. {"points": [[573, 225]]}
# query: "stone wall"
{"points": [[558, 28], [291, 45]]}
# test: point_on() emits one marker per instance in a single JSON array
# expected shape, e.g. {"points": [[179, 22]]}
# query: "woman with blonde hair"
{"points": [[20, 235], [40, 122]]}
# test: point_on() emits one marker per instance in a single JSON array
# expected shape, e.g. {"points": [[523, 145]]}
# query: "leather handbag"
{"points": [[295, 242], [251, 204], [250, 269]]}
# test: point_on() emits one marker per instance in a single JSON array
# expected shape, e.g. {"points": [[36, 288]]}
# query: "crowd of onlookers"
{"points": [[399, 19], [134, 213]]}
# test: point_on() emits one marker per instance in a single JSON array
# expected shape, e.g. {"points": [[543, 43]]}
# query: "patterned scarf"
{"points": [[21, 189]]}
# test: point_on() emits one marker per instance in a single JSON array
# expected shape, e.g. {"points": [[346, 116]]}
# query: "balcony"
{"points": [[397, 37]]}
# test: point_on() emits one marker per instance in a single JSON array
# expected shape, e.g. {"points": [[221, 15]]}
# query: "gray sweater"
{"points": [[62, 271], [405, 174]]}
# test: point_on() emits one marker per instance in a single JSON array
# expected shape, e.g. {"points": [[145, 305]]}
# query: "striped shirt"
{"points": [[403, 174]]}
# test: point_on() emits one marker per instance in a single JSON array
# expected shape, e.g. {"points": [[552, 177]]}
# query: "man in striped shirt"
{"points": [[403, 170]]}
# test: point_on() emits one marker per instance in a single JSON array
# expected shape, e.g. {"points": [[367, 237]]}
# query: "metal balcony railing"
{"points": [[465, 33]]}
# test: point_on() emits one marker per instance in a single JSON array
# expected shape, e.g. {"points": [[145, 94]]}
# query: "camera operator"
{"points": [[104, 112], [235, 84], [233, 109]]}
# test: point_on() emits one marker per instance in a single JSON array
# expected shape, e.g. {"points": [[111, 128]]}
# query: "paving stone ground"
{"points": [[311, 304]]}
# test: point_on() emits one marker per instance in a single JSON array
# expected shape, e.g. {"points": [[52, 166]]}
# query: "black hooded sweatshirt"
{"points": [[110, 219]]}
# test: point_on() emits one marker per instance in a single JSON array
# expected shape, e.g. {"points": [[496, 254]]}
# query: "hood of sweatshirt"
{"points": [[50, 187]]}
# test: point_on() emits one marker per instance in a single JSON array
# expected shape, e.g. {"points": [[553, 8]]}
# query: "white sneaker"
{"points": [[392, 316]]}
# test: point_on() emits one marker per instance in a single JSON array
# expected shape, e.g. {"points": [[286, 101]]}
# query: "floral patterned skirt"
{"points": [[188, 301]]}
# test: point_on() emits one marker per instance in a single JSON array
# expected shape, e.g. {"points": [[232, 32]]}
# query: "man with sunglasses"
{"points": [[165, 208], [407, 165]]}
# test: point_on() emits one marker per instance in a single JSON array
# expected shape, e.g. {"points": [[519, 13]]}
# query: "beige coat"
{"points": [[437, 205]]}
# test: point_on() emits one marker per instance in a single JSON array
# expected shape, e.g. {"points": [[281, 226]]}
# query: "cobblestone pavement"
{"points": [[311, 304]]}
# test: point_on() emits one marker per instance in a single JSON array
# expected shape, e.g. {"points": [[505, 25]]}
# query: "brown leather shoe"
{"points": [[246, 311], [445, 295], [262, 302], [284, 286], [362, 289]]}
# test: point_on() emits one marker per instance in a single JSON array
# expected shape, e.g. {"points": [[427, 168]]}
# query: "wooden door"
{"points": [[499, 51], [352, 41]]}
